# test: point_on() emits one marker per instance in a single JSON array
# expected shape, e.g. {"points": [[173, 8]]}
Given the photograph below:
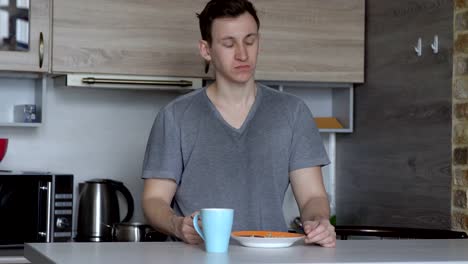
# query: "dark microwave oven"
{"points": [[35, 207]]}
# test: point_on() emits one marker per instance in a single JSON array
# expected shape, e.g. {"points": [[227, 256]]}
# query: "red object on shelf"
{"points": [[3, 147]]}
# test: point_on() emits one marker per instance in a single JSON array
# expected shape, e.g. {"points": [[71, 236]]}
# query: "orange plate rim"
{"points": [[266, 234]]}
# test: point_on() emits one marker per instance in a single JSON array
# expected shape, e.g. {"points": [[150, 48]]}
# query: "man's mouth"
{"points": [[242, 67]]}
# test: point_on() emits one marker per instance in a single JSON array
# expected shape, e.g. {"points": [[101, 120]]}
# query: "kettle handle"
{"points": [[128, 196]]}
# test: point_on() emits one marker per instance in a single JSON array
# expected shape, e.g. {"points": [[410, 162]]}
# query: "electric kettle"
{"points": [[98, 209]]}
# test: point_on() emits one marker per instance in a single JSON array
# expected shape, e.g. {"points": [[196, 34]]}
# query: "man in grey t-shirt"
{"points": [[235, 144]]}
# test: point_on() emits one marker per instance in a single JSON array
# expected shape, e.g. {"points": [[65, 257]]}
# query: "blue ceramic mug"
{"points": [[217, 224]]}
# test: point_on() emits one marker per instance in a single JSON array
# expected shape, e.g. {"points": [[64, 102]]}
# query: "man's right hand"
{"points": [[185, 231], [157, 197]]}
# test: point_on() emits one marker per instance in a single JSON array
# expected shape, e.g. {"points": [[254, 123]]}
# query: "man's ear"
{"points": [[204, 48]]}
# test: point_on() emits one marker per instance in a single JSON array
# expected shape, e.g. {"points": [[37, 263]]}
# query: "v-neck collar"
{"points": [[249, 117]]}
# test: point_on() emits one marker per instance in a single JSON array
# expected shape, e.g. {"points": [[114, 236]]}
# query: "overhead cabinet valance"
{"points": [[302, 40]]}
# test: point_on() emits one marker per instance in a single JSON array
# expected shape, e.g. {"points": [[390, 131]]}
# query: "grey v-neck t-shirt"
{"points": [[218, 166]]}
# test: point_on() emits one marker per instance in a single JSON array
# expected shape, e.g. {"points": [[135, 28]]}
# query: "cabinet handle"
{"points": [[41, 49], [181, 83]]}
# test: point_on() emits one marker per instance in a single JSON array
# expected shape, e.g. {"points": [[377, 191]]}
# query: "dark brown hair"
{"points": [[223, 8]]}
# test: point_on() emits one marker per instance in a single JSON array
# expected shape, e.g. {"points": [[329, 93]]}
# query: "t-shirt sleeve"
{"points": [[307, 148], [163, 156]]}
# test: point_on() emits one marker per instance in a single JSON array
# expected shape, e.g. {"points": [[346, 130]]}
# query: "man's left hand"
{"points": [[320, 232]]}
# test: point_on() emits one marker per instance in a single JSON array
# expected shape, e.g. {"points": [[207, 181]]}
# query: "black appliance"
{"points": [[35, 207]]}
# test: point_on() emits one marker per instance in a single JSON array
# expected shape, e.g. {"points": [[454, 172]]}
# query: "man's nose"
{"points": [[241, 52]]}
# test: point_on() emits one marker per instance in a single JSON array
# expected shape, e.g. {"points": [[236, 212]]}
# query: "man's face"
{"points": [[234, 48]]}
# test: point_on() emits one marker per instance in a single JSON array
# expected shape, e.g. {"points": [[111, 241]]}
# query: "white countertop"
{"points": [[346, 251]]}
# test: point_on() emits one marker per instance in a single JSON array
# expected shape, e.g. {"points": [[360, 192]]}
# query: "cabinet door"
{"points": [[311, 40], [144, 37], [302, 40], [35, 58]]}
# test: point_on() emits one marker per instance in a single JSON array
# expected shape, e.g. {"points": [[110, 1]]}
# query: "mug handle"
{"points": [[195, 224]]}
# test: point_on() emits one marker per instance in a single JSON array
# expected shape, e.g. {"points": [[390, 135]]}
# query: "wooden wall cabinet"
{"points": [[37, 58], [154, 37], [302, 40], [311, 40]]}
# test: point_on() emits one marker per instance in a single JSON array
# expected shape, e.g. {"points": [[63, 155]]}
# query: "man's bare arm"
{"points": [[156, 202], [312, 200]]}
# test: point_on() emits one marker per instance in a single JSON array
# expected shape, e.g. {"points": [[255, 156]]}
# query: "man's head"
{"points": [[230, 39], [220, 9]]}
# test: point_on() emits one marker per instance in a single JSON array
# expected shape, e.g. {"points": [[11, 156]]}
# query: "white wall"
{"points": [[91, 133], [94, 133]]}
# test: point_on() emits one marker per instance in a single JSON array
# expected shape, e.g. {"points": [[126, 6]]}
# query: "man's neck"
{"points": [[233, 101], [227, 93]]}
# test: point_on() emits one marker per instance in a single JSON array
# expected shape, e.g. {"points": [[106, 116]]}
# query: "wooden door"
{"points": [[394, 169], [36, 58], [143, 37], [302, 40], [311, 40]]}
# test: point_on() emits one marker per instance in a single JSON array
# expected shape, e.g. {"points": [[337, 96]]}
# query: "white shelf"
{"points": [[331, 100], [12, 124], [344, 130], [21, 89]]}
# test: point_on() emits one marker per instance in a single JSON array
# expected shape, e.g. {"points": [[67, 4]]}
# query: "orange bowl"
{"points": [[3, 147]]}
